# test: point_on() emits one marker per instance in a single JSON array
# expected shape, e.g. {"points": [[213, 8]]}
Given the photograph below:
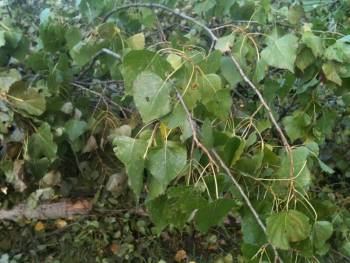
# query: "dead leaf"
{"points": [[114, 248], [60, 223], [180, 255], [39, 226]]}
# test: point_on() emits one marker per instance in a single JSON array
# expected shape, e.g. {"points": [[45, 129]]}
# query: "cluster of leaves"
{"points": [[87, 102]]}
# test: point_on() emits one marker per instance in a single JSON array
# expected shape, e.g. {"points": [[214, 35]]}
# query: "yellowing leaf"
{"points": [[180, 255], [137, 42], [60, 223], [331, 74], [39, 226], [174, 60]]}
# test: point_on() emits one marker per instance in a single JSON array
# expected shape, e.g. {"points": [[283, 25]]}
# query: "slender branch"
{"points": [[92, 62], [165, 8], [269, 111], [101, 96], [222, 164]]}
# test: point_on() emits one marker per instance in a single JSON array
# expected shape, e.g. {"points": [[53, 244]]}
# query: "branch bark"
{"points": [[61, 209]]}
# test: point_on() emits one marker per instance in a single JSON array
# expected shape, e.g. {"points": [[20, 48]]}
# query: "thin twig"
{"points": [[158, 6], [269, 111], [101, 96], [92, 62]]}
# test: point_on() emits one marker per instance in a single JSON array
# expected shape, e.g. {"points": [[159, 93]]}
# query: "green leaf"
{"points": [[211, 63], [281, 53], [322, 231], [208, 85], [52, 36], [175, 208], [151, 96], [137, 41], [304, 59], [84, 51], [41, 143], [233, 150], [167, 162], [313, 42], [301, 172], [220, 104], [340, 52], [7, 78], [286, 227], [296, 125], [207, 134], [212, 214], [130, 151], [27, 99], [229, 71], [137, 61], [295, 14], [72, 36], [224, 44], [331, 73], [75, 128]]}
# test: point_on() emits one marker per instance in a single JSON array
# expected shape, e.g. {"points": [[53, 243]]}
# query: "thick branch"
{"points": [[165, 8], [62, 209]]}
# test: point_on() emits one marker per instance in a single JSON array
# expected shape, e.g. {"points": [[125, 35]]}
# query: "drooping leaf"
{"points": [[322, 231], [27, 99], [229, 71], [52, 35], [281, 53], [217, 211], [137, 61], [75, 128], [131, 152], [301, 175], [208, 85], [331, 73], [313, 42], [175, 208], [137, 41], [286, 227], [167, 162], [296, 125], [84, 51], [152, 96], [7, 78], [339, 51], [41, 143], [225, 43]]}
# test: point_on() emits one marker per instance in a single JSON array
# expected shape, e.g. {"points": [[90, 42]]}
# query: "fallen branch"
{"points": [[193, 123], [61, 209]]}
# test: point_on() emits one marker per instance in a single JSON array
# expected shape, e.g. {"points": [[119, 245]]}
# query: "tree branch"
{"points": [[62, 209], [165, 8], [92, 62], [222, 164]]}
